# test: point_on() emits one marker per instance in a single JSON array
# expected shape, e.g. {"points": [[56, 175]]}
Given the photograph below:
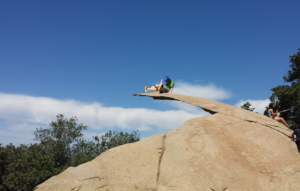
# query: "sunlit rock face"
{"points": [[233, 149]]}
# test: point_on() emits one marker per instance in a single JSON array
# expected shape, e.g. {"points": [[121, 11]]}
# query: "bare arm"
{"points": [[272, 113], [293, 136], [171, 90]]}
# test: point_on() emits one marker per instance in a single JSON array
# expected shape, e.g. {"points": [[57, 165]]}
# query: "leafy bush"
{"points": [[60, 146]]}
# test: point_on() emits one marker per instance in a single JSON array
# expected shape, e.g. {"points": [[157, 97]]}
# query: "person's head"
{"points": [[271, 106], [165, 80]]}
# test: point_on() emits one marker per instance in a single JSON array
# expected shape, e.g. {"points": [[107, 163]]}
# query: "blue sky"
{"points": [[73, 56]]}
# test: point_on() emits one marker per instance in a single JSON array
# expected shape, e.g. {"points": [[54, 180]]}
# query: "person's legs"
{"points": [[153, 88], [282, 120]]}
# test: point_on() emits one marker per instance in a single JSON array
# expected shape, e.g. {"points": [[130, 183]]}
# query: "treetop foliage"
{"points": [[61, 139], [60, 146], [294, 73], [113, 139], [288, 96], [247, 106]]}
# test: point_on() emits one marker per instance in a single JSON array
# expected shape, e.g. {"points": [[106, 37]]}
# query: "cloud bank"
{"points": [[20, 115], [206, 91], [22, 108]]}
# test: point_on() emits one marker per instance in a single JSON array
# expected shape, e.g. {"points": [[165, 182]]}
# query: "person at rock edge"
{"points": [[276, 116], [166, 85], [297, 133]]}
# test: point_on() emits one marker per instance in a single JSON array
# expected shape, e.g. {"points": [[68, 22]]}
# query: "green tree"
{"points": [[64, 141], [88, 150], [113, 139], [3, 164], [84, 151], [60, 146], [24, 167], [288, 96], [247, 106], [61, 140], [293, 74]]}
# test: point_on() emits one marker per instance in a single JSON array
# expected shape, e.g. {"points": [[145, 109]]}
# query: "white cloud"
{"points": [[188, 108], [259, 105], [206, 91], [22, 114]]}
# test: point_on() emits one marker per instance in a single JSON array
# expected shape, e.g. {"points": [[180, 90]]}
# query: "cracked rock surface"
{"points": [[233, 149]]}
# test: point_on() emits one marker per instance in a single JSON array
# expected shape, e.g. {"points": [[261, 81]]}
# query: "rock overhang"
{"points": [[213, 107]]}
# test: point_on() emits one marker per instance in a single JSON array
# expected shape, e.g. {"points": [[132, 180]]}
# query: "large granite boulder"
{"points": [[233, 150]]}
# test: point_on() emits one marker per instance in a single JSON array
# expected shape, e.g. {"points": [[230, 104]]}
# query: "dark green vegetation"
{"points": [[247, 106], [287, 96], [61, 146]]}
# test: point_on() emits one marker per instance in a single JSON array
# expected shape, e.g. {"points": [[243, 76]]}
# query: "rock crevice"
{"points": [[161, 156]]}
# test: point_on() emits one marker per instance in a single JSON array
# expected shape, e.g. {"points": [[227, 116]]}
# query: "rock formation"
{"points": [[233, 150]]}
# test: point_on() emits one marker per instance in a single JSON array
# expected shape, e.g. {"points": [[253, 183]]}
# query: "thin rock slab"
{"points": [[213, 107]]}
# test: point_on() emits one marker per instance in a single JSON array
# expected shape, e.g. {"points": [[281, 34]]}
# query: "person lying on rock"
{"points": [[166, 85], [276, 115]]}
